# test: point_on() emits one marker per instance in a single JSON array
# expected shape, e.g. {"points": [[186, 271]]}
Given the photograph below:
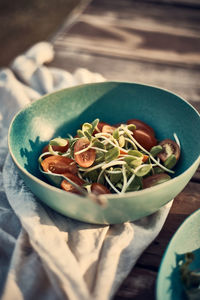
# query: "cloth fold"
{"points": [[52, 256]]}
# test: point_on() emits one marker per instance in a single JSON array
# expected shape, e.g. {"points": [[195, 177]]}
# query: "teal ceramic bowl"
{"points": [[186, 239], [63, 111]]}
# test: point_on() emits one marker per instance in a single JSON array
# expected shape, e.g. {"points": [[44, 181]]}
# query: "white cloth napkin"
{"points": [[46, 255]]}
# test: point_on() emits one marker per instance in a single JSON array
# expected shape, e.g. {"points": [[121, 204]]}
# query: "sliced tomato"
{"points": [[145, 158], [86, 158], [146, 140], [59, 164], [61, 149], [108, 129], [99, 189], [141, 126], [65, 185], [169, 147], [99, 127], [122, 152], [117, 125], [155, 180]]}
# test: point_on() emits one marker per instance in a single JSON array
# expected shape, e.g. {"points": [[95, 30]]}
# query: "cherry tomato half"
{"points": [[61, 149], [169, 147], [65, 185], [155, 179], [144, 139], [108, 129], [87, 158], [141, 126], [99, 189], [59, 164], [100, 126]]}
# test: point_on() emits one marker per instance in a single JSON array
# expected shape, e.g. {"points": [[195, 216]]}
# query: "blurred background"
{"points": [[25, 22], [159, 38]]}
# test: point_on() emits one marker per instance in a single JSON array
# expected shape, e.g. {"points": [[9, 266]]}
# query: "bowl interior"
{"points": [[64, 111]]}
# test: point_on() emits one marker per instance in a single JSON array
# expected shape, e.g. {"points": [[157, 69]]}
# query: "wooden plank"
{"points": [[104, 38], [142, 279], [131, 43], [152, 14], [196, 177], [140, 282], [71, 18], [184, 204], [187, 3], [131, 34], [113, 68]]}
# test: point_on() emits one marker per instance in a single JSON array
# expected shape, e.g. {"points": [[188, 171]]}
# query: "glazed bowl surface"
{"points": [[185, 240], [62, 112]]}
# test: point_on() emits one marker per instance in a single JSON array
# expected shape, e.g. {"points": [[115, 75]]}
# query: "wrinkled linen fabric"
{"points": [[44, 255]]}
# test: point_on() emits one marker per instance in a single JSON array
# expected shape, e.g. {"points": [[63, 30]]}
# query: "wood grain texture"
{"points": [[141, 282], [137, 31], [138, 285], [178, 80], [140, 42]]}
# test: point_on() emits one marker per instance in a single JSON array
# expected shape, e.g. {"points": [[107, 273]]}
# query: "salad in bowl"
{"points": [[112, 140], [104, 159]]}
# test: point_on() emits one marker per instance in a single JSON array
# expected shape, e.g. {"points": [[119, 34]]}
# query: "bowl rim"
{"points": [[168, 247], [108, 196]]}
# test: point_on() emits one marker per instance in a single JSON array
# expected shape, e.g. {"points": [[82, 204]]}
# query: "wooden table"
{"points": [[152, 42]]}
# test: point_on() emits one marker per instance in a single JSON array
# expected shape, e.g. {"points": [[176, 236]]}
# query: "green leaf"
{"points": [[156, 150], [80, 133], [116, 133], [112, 154], [133, 161], [94, 124], [88, 135], [87, 130], [158, 170], [121, 141], [98, 144], [142, 170], [119, 185], [92, 175], [58, 142], [115, 177], [135, 185], [170, 161], [100, 157], [87, 127], [135, 153], [131, 127], [109, 146], [136, 162], [129, 169]]}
